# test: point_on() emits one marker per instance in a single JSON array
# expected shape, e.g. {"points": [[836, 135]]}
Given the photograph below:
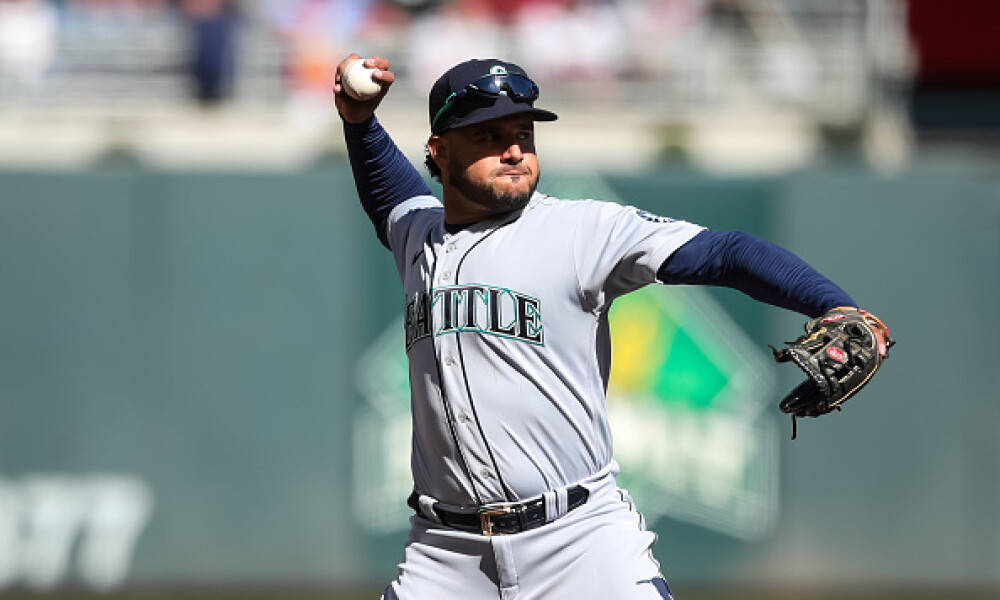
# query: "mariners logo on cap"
{"points": [[499, 70]]}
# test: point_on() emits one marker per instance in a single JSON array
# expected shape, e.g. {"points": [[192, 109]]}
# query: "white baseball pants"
{"points": [[600, 551]]}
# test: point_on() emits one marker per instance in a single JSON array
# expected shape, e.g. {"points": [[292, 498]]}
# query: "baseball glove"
{"points": [[839, 354]]}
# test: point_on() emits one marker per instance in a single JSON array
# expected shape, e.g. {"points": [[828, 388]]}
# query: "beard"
{"points": [[486, 195]]}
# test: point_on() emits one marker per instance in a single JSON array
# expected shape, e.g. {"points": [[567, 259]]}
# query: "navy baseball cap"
{"points": [[479, 90]]}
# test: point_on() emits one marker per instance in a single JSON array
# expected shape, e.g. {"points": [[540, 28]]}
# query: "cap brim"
{"points": [[501, 108]]}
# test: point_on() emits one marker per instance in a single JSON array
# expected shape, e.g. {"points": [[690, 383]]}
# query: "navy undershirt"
{"points": [[761, 270], [734, 259], [382, 174]]}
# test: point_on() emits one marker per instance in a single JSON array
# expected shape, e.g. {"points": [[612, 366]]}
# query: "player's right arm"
{"points": [[383, 176]]}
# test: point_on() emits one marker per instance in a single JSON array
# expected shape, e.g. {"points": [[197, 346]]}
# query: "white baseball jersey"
{"points": [[508, 342]]}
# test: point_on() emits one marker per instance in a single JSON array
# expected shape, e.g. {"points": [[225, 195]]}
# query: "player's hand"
{"points": [[883, 347], [356, 111], [880, 333]]}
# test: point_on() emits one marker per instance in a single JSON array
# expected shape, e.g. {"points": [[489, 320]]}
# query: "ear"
{"points": [[438, 148]]}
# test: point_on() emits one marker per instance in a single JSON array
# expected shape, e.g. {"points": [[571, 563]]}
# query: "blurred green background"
{"points": [[180, 356]]}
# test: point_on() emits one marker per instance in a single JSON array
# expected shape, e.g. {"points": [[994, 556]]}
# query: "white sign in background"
{"points": [[51, 523]]}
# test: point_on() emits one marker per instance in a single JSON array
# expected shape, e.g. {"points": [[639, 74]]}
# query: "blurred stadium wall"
{"points": [[199, 380], [182, 353]]}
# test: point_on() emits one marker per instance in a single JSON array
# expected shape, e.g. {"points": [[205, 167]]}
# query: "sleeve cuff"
{"points": [[359, 130], [654, 260]]}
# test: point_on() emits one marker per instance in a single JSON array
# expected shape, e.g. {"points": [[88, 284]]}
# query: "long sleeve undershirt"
{"points": [[734, 259], [761, 270], [382, 174]]}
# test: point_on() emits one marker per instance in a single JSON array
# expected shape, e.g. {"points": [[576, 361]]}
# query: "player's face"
{"points": [[493, 164]]}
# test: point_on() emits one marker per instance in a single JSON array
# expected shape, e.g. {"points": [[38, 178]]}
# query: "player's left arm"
{"points": [[762, 270]]}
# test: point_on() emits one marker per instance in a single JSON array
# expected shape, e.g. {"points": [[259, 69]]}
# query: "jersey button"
{"points": [[448, 361], [446, 275], [463, 418], [486, 473], [449, 248]]}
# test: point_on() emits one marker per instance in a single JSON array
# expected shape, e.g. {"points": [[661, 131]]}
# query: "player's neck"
{"points": [[459, 210]]}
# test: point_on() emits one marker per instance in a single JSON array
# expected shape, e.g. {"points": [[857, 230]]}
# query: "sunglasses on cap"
{"points": [[516, 87]]}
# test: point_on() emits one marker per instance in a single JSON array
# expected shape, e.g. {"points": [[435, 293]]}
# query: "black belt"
{"points": [[506, 518]]}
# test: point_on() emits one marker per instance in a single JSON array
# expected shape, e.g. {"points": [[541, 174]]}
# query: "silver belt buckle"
{"points": [[485, 518]]}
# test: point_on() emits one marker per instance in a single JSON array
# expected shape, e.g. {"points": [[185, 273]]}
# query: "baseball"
{"points": [[357, 81]]}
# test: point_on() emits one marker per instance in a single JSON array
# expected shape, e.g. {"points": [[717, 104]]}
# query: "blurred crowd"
{"points": [[817, 57], [561, 39]]}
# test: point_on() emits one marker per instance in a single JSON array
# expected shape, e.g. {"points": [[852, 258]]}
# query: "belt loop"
{"points": [[427, 508], [521, 522], [562, 502], [551, 510]]}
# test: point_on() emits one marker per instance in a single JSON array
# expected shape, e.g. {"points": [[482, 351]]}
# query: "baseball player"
{"points": [[507, 293]]}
